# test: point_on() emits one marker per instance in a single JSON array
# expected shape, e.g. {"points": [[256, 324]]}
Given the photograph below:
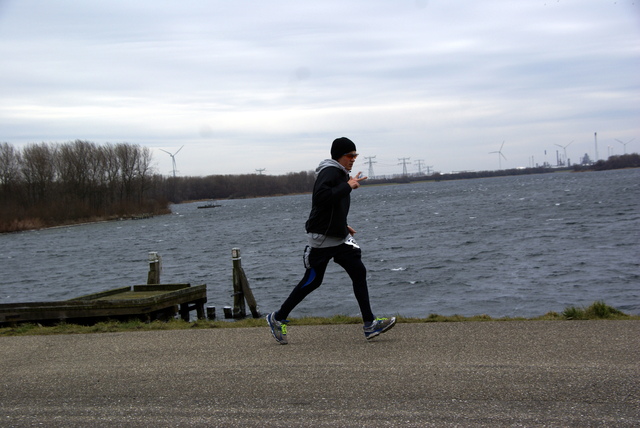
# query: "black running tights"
{"points": [[347, 256]]}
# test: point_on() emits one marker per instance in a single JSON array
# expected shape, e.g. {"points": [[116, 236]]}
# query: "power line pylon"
{"points": [[403, 162], [370, 161]]}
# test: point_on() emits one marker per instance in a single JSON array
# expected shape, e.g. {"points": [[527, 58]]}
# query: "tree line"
{"points": [[49, 184], [180, 189]]}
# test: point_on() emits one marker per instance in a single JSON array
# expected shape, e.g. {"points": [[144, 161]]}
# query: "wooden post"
{"points": [[200, 309], [211, 312], [184, 311], [241, 289], [155, 266], [187, 307], [228, 312], [239, 310], [248, 295]]}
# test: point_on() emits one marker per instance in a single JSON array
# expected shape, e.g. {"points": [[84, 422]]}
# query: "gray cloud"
{"points": [[245, 84]]}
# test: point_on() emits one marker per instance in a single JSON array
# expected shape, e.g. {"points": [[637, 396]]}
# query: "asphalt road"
{"points": [[530, 373]]}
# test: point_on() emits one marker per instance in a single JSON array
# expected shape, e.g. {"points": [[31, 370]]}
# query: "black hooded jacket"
{"points": [[330, 201]]}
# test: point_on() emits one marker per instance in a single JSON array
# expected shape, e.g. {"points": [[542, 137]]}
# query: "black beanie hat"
{"points": [[341, 146]]}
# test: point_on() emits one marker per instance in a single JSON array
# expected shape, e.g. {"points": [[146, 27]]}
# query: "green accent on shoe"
{"points": [[278, 328], [379, 326]]}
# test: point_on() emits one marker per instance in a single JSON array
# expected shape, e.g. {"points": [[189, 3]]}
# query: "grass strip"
{"points": [[597, 311]]}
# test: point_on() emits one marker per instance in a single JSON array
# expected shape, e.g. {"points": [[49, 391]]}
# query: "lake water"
{"points": [[504, 246]]}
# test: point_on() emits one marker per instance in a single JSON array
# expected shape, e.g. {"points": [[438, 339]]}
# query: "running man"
{"points": [[330, 237]]}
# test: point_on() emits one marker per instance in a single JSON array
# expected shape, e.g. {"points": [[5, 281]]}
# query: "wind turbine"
{"points": [[625, 144], [173, 159], [499, 152], [565, 150]]}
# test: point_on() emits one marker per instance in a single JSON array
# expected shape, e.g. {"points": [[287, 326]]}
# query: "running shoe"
{"points": [[379, 325], [278, 328]]}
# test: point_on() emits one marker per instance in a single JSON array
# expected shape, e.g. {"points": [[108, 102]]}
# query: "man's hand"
{"points": [[354, 182]]}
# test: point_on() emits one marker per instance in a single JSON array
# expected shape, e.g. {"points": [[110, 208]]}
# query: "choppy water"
{"points": [[507, 246]]}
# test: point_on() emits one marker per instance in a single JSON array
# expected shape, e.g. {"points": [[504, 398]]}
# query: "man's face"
{"points": [[347, 160]]}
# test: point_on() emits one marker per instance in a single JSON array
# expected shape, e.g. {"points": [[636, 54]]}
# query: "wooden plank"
{"points": [[160, 287], [102, 294], [123, 303]]}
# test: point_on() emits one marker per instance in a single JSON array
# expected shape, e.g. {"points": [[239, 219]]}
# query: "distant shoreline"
{"points": [[85, 222], [371, 182]]}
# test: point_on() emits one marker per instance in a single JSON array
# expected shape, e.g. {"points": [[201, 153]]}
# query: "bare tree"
{"points": [[111, 164], [9, 169], [38, 170], [127, 161], [144, 170]]}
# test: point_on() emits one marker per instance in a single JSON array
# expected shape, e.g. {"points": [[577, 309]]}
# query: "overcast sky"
{"points": [[252, 85]]}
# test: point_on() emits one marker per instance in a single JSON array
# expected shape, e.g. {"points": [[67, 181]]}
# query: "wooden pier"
{"points": [[148, 302]]}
